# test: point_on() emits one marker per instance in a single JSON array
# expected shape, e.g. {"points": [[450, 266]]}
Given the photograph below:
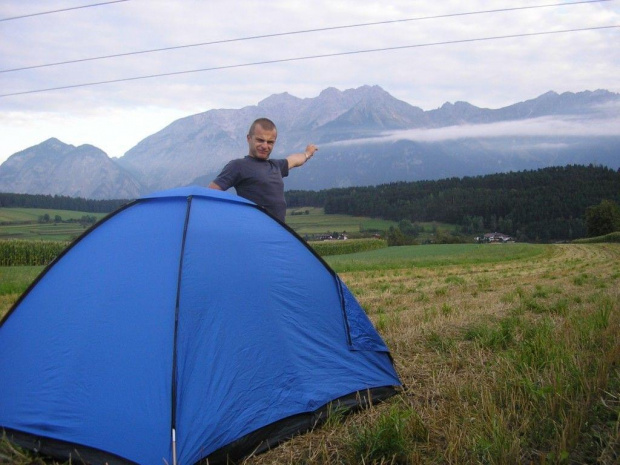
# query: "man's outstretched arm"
{"points": [[298, 159]]}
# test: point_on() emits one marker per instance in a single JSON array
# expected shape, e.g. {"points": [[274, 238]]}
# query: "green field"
{"points": [[12, 215], [316, 222], [433, 255], [23, 223]]}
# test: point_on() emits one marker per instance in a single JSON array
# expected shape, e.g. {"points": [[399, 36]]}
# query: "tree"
{"points": [[395, 237], [602, 219], [410, 229]]}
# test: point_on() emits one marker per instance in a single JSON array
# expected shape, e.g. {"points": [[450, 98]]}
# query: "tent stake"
{"points": [[174, 447]]}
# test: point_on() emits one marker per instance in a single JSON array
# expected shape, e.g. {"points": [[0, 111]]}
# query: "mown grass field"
{"points": [[509, 354]]}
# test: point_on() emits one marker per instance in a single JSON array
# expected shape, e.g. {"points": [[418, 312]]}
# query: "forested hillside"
{"points": [[542, 205]]}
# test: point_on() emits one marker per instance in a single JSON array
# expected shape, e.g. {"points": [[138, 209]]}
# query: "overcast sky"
{"points": [[418, 70]]}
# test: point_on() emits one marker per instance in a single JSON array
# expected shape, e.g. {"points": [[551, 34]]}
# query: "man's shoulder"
{"points": [[239, 161], [247, 160], [251, 164]]}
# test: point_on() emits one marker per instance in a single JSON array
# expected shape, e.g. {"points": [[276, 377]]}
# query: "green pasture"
{"points": [[317, 222], [23, 223], [434, 255], [15, 279], [42, 231], [13, 215]]}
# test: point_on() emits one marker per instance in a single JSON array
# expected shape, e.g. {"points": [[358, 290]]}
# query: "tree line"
{"points": [[59, 202], [538, 205], [84, 220]]}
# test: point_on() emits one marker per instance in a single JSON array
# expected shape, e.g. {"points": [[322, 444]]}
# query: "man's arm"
{"points": [[298, 159], [212, 185]]}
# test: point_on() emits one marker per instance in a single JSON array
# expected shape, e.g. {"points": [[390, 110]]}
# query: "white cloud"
{"points": [[534, 127]]}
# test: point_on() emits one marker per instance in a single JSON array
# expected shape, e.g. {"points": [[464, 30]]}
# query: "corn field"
{"points": [[29, 253], [325, 248]]}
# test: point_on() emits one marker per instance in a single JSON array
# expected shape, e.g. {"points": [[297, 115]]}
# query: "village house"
{"points": [[494, 237]]}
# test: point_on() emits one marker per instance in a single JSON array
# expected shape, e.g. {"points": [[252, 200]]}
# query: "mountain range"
{"points": [[365, 137]]}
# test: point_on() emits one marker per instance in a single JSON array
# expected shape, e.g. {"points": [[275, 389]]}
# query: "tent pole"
{"points": [[174, 447], [174, 344]]}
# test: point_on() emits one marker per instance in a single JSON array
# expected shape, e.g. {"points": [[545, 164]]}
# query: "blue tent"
{"points": [[187, 325]]}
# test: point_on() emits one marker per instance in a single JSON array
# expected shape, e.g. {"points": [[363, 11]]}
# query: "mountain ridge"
{"points": [[364, 136]]}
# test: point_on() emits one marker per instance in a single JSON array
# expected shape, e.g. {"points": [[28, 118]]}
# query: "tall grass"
{"points": [[504, 362], [13, 281]]}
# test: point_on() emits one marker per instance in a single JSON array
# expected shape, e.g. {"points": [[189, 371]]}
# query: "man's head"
{"points": [[261, 138]]}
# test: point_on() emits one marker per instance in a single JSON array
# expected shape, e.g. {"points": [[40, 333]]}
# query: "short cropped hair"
{"points": [[264, 123]]}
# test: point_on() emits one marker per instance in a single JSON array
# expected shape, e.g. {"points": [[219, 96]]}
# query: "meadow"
{"points": [[309, 221], [508, 354], [24, 223]]}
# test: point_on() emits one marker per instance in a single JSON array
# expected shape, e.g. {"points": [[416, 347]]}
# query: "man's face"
{"points": [[261, 142]]}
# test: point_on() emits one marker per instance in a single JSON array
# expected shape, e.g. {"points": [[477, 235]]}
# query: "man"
{"points": [[256, 177]]}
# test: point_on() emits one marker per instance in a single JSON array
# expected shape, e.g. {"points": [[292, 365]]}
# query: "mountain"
{"points": [[53, 167], [365, 137], [203, 143]]}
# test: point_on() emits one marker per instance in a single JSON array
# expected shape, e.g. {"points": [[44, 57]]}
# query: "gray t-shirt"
{"points": [[257, 180]]}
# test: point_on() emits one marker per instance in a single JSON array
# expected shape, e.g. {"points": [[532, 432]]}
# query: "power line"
{"points": [[64, 9], [306, 31], [285, 60]]}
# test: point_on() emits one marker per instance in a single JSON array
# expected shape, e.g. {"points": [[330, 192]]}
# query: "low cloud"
{"points": [[550, 127]]}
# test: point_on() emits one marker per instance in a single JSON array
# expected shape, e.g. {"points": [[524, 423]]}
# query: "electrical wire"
{"points": [[284, 60], [58, 11], [306, 31]]}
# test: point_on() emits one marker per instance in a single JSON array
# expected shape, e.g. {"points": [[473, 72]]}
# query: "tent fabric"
{"points": [[190, 310]]}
